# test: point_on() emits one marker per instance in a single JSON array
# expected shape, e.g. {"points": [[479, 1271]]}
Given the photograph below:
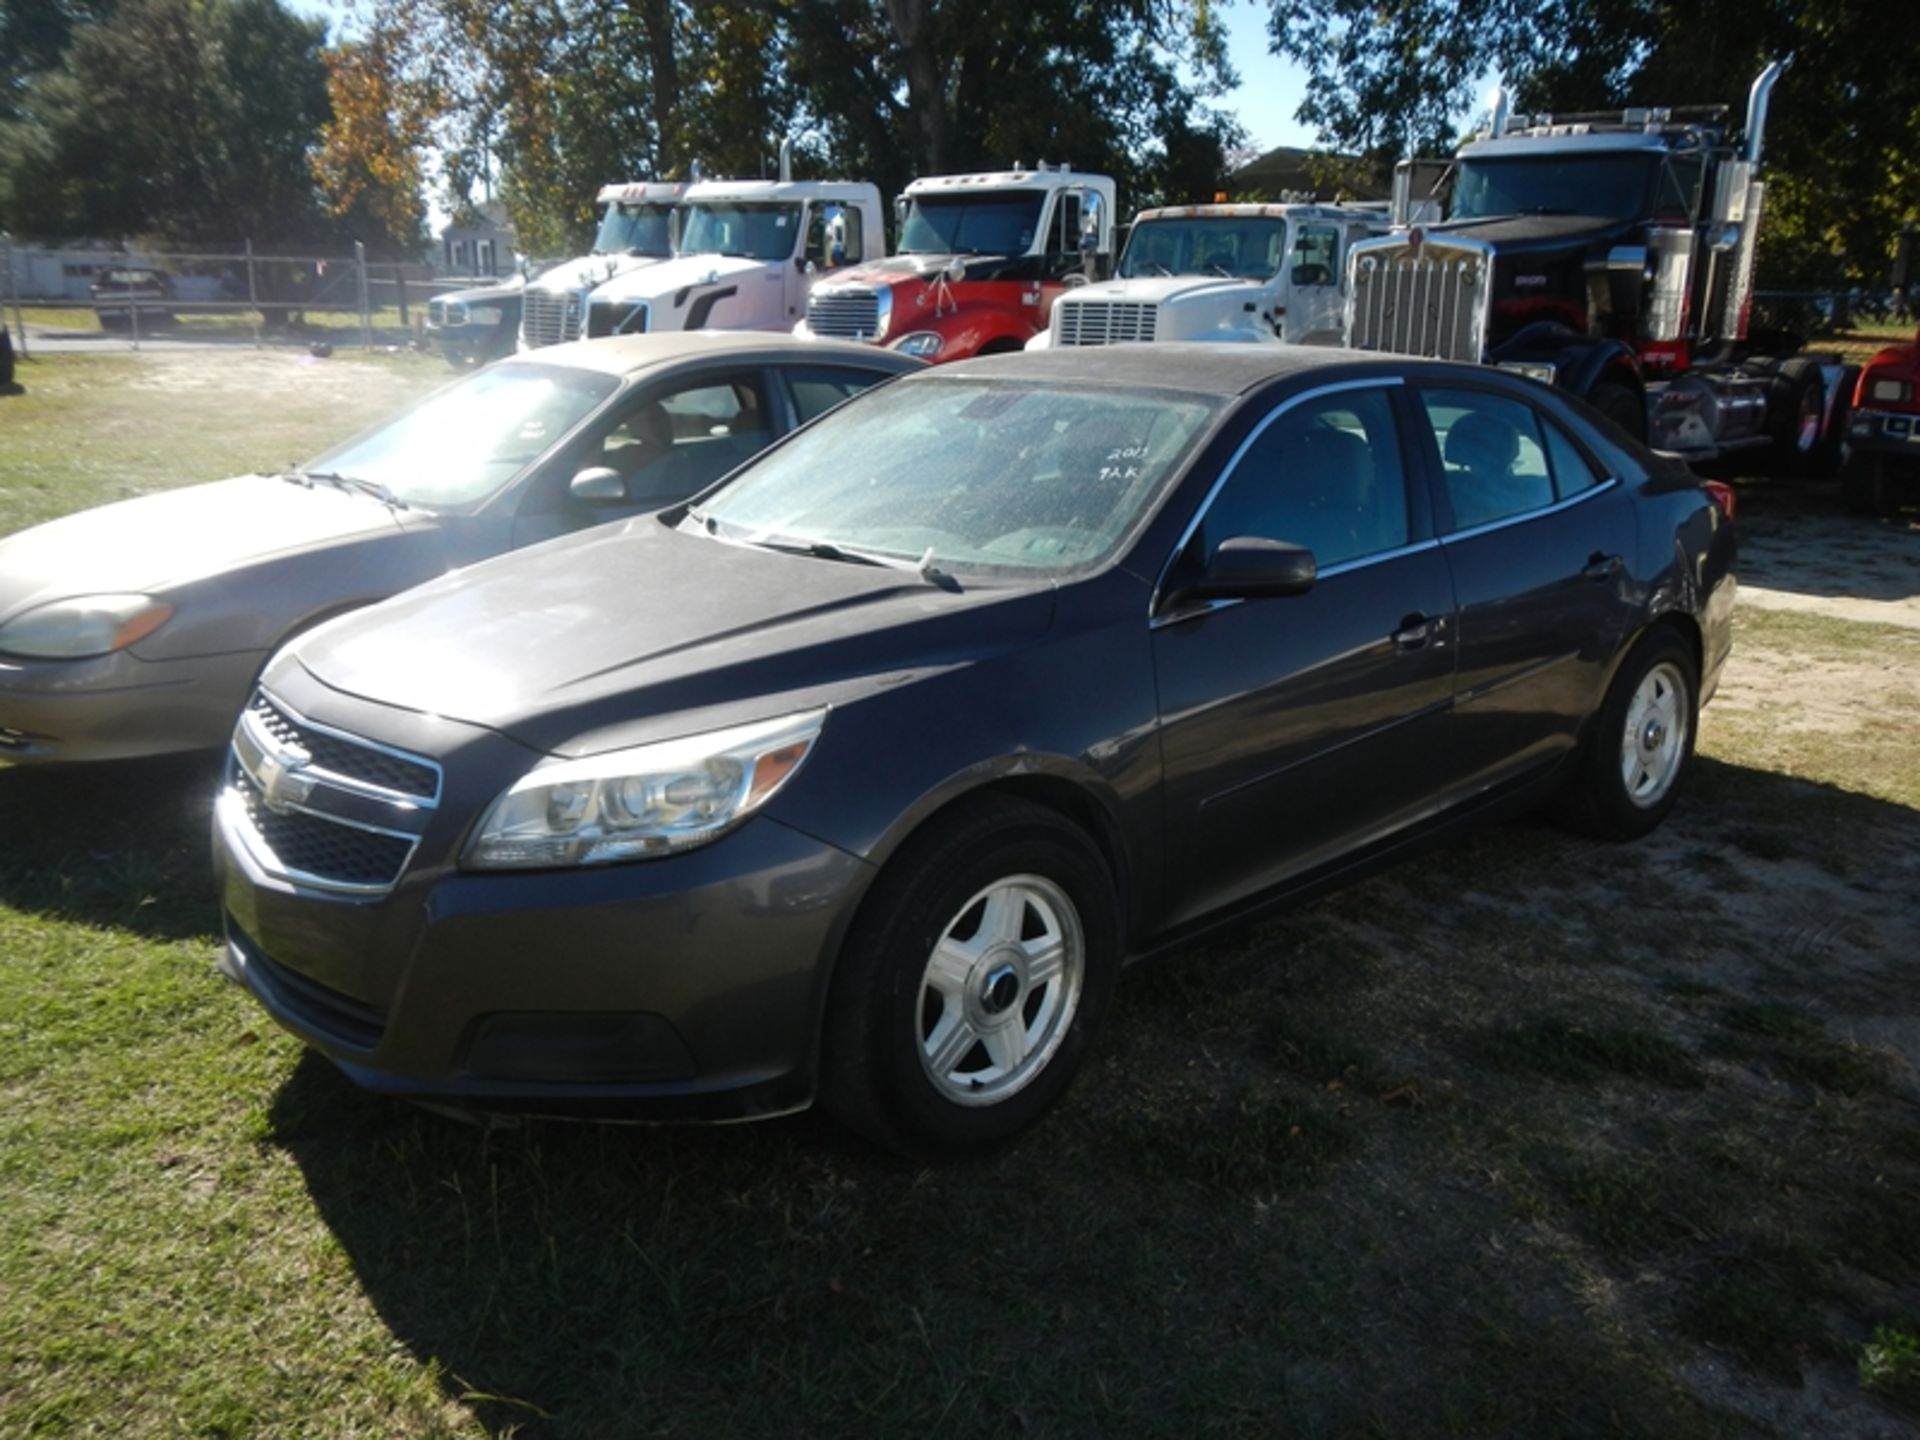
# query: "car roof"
{"points": [[622, 355], [1205, 367]]}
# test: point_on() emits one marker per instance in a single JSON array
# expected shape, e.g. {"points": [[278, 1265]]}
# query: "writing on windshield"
{"points": [[754, 230], [1000, 222], [1613, 186], [1250, 248], [635, 230]]}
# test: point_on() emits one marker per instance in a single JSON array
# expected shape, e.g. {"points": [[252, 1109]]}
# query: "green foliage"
{"points": [[1890, 1364], [191, 120], [1394, 74]]}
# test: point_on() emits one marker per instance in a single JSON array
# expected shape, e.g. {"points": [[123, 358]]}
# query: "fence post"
{"points": [[366, 313], [400, 289], [133, 311], [13, 285], [253, 296]]}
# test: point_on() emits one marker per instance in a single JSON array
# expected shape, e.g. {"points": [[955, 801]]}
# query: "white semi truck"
{"points": [[1233, 272], [637, 225]]}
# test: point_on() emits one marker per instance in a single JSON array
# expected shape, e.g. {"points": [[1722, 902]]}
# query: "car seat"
{"points": [[1480, 454]]}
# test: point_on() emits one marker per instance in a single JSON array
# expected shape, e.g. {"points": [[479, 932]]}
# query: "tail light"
{"points": [[1722, 494]]}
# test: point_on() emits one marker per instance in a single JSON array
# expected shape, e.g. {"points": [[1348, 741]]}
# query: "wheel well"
{"points": [[999, 345], [1688, 629]]}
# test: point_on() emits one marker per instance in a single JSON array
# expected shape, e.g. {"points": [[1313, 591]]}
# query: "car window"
{"points": [[1316, 255], [1571, 472], [1490, 448], [1325, 474], [676, 439], [816, 391]]}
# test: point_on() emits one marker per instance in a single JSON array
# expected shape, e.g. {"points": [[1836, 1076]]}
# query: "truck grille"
{"points": [[1428, 298], [321, 808], [547, 318], [849, 314], [1104, 322]]}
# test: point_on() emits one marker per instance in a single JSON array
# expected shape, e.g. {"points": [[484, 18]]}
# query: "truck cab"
{"points": [[749, 252], [982, 259], [1612, 255], [1249, 273], [637, 225], [1883, 439]]}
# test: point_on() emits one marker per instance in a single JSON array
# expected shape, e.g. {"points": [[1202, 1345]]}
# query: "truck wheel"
{"points": [[972, 981], [1796, 412], [1868, 486], [1622, 406], [1627, 771]]}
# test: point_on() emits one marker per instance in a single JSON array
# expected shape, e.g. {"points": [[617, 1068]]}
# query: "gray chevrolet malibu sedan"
{"points": [[858, 777], [138, 628]]}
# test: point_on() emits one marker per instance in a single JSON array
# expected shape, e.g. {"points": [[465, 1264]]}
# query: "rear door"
{"points": [[1294, 728], [1538, 537]]}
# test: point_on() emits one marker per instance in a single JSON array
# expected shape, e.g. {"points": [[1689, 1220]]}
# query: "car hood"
{"points": [[679, 274], [553, 645], [588, 271], [159, 541], [1160, 289]]}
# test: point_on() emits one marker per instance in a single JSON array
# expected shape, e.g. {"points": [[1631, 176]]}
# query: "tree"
{"points": [[368, 162], [1391, 75], [33, 37], [189, 120]]}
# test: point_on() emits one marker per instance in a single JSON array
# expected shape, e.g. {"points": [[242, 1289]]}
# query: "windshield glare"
{"points": [[755, 230], [988, 223], [635, 230], [1249, 248], [464, 443], [982, 474], [1613, 186]]}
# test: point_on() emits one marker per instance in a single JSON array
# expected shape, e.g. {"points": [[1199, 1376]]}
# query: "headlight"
{"points": [[648, 801], [923, 343], [483, 314], [1896, 392], [85, 626]]}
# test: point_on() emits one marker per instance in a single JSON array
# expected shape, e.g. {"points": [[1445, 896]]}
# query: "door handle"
{"points": [[1603, 567], [1414, 632]]}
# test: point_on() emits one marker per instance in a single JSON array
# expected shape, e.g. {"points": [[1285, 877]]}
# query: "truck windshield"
{"points": [[1610, 185], [756, 230], [1250, 248], [983, 223], [635, 230]]}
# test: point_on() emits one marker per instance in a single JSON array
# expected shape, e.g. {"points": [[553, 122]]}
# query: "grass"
{"points": [[1525, 1136]]}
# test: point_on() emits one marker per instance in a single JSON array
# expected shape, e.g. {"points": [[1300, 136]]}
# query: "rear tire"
{"points": [[1620, 404], [976, 974], [1628, 770], [1797, 400]]}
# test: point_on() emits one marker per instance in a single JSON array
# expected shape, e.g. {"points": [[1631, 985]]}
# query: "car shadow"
{"points": [[1799, 537], [600, 1279], [123, 844]]}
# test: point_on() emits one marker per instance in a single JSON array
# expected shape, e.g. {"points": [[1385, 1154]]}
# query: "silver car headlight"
{"points": [[83, 626], [643, 802]]}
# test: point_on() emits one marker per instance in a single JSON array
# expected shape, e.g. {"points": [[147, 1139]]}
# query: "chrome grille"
{"points": [[348, 759], [308, 847], [1103, 322], [852, 313], [550, 318], [1427, 299]]}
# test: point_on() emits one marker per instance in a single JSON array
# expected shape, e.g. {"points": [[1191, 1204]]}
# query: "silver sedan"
{"points": [[137, 628]]}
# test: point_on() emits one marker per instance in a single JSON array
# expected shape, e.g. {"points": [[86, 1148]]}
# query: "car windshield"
{"points": [[990, 223], [465, 442], [1609, 185], [968, 474], [755, 230], [1250, 248], [635, 230]]}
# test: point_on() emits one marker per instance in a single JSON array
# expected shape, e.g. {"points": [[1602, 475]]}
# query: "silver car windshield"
{"points": [[462, 444], [968, 474], [1250, 248]]}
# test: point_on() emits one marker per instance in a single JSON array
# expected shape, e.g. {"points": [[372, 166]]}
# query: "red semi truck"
{"points": [[980, 261], [1883, 438]]}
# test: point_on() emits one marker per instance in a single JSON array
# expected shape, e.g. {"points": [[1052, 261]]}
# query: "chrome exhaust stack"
{"points": [[1757, 100]]}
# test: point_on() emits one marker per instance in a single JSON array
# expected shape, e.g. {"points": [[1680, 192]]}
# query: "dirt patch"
{"points": [[1800, 551]]}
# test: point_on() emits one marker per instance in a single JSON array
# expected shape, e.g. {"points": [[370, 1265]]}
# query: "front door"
{"points": [[1293, 728], [1314, 308]]}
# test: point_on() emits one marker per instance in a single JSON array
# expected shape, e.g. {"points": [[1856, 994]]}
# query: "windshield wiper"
{"points": [[349, 482], [828, 550]]}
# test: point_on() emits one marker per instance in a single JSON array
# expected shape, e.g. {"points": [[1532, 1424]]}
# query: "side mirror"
{"points": [[598, 485], [1247, 567]]}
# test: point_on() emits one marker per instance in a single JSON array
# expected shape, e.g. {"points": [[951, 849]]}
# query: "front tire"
{"points": [[977, 972], [1628, 771], [1620, 404]]}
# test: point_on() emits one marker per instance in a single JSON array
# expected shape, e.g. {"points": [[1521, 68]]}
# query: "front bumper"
{"points": [[1885, 432], [119, 707], [682, 988]]}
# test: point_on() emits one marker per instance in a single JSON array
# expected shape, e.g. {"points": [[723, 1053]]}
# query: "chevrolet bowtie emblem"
{"points": [[283, 783]]}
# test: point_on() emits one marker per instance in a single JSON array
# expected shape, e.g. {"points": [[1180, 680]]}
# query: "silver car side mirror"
{"points": [[598, 485]]}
